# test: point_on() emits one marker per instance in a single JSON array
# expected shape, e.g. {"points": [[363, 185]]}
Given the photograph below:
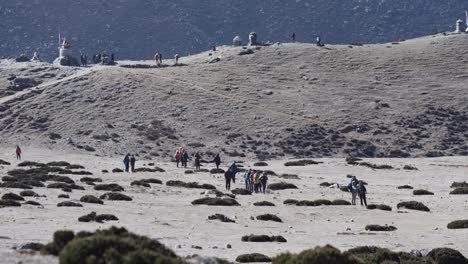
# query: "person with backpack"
{"points": [[263, 181], [234, 170], [257, 182], [318, 40], [185, 158], [132, 163], [18, 152], [197, 161], [362, 193], [352, 187], [251, 180], [246, 177], [227, 178], [126, 162], [217, 161]]}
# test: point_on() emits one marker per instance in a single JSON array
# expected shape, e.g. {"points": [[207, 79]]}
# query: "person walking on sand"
{"points": [[263, 181], [217, 161], [228, 178], [18, 152], [362, 193], [178, 156], [251, 180], [126, 162], [132, 162], [246, 177], [256, 182], [197, 161], [352, 186], [234, 170]]}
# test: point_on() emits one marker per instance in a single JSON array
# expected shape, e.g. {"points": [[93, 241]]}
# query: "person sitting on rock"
{"points": [[362, 193], [126, 162], [132, 163]]}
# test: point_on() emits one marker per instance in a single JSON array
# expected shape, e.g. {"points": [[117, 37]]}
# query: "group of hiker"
{"points": [[129, 162], [318, 39], [255, 181], [158, 58], [356, 188]]}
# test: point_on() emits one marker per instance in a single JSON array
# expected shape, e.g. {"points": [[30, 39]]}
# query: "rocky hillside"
{"points": [[399, 99], [136, 29]]}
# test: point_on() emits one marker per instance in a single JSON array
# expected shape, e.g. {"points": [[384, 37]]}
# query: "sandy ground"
{"points": [[166, 213]]}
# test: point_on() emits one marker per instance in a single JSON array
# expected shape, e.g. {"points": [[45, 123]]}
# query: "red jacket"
{"points": [[18, 151]]}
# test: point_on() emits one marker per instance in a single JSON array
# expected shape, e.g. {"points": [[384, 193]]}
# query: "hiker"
{"points": [[217, 161], [112, 57], [178, 157], [228, 177], [197, 161], [160, 58], [176, 58], [318, 40], [214, 48], [293, 37], [132, 163], [85, 60], [352, 187], [263, 181], [362, 193], [251, 180], [185, 158], [156, 58], [18, 152], [247, 179], [126, 162], [234, 171], [256, 182]]}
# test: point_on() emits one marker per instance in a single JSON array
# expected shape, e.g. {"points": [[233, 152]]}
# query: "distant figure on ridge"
{"points": [[156, 58], [18, 152], [126, 162], [217, 161], [132, 163], [293, 37], [160, 58], [176, 59], [318, 40]]}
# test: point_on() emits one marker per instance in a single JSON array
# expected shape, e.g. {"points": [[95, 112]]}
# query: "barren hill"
{"points": [[394, 100]]}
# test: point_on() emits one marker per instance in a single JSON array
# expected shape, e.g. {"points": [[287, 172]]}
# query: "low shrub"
{"points": [[32, 203], [422, 192], [28, 193], [252, 257], [115, 196], [340, 202], [459, 185], [405, 187], [269, 217], [12, 196], [447, 256], [263, 238], [290, 201], [289, 176], [91, 199], [74, 167], [382, 207], [154, 181], [91, 217], [216, 201], [140, 183], [61, 185], [264, 203], [460, 190], [2, 162], [189, 172], [89, 179], [344, 188], [326, 184], [58, 164], [221, 217], [409, 167], [459, 224], [63, 196], [241, 192], [16, 185], [301, 163], [69, 204], [318, 255], [112, 187], [117, 170], [9, 203], [260, 164], [281, 186], [31, 164], [217, 171], [380, 228], [413, 205], [190, 185], [314, 203]]}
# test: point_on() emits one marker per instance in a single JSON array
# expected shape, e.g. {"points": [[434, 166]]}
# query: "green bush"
{"points": [[413, 205], [260, 164], [375, 255], [269, 217], [115, 196], [241, 192], [253, 257], [422, 192], [380, 228], [113, 187], [382, 207], [459, 224], [290, 201], [12, 196], [28, 193], [221, 217], [91, 199], [318, 255], [264, 203], [447, 256], [263, 238], [281, 186], [69, 204], [216, 201], [461, 190], [301, 163]]}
